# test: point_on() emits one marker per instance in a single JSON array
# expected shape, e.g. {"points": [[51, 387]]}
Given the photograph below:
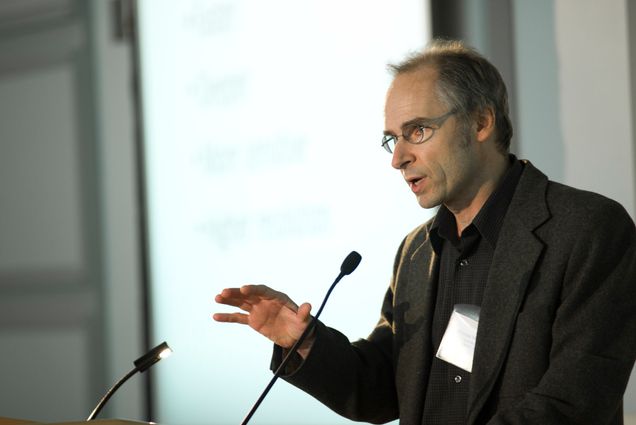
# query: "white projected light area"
{"points": [[262, 123]]}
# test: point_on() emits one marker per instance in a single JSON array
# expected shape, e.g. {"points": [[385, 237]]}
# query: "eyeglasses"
{"points": [[416, 133]]}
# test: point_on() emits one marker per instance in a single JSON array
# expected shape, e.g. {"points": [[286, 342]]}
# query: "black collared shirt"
{"points": [[463, 272]]}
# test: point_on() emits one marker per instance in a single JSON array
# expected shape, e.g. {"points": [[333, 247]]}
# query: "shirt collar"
{"points": [[490, 217]]}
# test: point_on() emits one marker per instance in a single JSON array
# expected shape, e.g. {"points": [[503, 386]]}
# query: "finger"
{"points": [[231, 318], [227, 294], [235, 298], [263, 292], [241, 303], [303, 311], [257, 293]]}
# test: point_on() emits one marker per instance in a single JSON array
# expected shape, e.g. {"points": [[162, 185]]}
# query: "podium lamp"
{"points": [[142, 364]]}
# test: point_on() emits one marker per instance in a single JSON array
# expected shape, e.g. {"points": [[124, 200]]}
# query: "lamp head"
{"points": [[161, 351]]}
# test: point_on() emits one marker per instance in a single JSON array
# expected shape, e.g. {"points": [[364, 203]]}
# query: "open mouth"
{"points": [[414, 182]]}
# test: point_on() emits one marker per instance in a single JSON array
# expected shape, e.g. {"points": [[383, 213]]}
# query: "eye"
{"points": [[415, 133], [420, 134]]}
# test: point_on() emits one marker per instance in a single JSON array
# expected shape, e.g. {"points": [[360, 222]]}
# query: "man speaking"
{"points": [[515, 304]]}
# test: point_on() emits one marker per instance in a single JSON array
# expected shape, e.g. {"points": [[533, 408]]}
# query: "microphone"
{"points": [[348, 266]]}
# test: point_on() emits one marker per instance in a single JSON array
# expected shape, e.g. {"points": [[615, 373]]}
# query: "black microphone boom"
{"points": [[348, 266]]}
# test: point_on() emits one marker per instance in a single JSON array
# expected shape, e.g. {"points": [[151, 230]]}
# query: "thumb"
{"points": [[303, 312]]}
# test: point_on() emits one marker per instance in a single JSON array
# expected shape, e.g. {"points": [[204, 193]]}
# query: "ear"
{"points": [[485, 124]]}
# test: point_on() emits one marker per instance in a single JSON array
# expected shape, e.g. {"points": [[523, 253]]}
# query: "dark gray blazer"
{"points": [[557, 335]]}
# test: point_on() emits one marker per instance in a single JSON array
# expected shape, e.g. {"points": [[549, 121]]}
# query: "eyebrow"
{"points": [[414, 121]]}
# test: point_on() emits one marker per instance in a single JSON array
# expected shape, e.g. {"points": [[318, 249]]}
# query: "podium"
{"points": [[9, 421]]}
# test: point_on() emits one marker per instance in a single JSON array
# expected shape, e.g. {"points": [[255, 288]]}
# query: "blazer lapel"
{"points": [[512, 266]]}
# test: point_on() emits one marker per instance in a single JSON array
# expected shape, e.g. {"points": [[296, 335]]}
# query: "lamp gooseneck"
{"points": [[142, 364]]}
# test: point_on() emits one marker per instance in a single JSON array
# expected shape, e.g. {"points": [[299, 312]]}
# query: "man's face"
{"points": [[439, 170]]}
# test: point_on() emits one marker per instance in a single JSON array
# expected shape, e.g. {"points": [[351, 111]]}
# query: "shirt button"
{"points": [[463, 262], [458, 379]]}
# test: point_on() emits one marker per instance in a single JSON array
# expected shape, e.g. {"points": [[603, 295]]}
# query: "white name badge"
{"points": [[458, 343]]}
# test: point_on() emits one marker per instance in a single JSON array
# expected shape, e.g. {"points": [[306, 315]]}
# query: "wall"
{"points": [[70, 321], [592, 44], [50, 255], [115, 138]]}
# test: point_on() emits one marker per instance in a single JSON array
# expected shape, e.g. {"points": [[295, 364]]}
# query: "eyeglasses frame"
{"points": [[436, 121]]}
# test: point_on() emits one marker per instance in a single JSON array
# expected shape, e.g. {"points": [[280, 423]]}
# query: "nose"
{"points": [[402, 156]]}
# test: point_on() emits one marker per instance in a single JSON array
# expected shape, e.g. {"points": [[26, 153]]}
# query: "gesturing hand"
{"points": [[269, 312]]}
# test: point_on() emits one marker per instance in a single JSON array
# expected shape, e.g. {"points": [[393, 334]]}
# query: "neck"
{"points": [[477, 193]]}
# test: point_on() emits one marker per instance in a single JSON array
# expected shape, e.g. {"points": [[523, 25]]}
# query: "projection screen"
{"points": [[262, 128]]}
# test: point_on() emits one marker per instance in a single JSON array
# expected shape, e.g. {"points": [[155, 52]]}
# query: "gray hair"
{"points": [[466, 81]]}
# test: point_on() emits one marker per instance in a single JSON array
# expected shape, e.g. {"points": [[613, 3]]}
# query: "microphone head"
{"points": [[350, 263]]}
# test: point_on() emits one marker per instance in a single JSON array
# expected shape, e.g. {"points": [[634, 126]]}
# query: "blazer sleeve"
{"points": [[593, 332], [356, 380]]}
